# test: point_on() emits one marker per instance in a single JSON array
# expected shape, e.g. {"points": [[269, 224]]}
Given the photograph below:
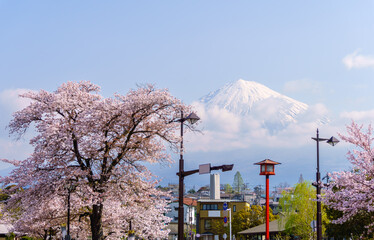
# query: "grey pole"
{"points": [[319, 211], [181, 190]]}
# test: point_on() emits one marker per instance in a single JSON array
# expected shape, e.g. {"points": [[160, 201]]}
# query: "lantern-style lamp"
{"points": [[192, 118], [267, 169], [332, 141]]}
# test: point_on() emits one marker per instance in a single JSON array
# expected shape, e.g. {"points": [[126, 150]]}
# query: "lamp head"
{"points": [[192, 118], [332, 141], [267, 167], [227, 167]]}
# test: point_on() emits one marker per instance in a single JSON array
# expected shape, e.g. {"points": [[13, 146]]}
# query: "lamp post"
{"points": [[131, 235], [191, 118], [70, 186], [332, 141], [267, 169], [203, 169]]}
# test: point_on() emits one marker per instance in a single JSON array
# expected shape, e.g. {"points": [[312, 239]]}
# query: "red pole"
{"points": [[267, 208]]}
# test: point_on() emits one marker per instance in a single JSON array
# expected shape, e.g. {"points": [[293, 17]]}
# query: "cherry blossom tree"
{"points": [[352, 192], [97, 144]]}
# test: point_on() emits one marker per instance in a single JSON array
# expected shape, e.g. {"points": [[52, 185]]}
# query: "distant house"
{"points": [[174, 189], [209, 210], [259, 231], [250, 197], [4, 230], [189, 207], [203, 191]]}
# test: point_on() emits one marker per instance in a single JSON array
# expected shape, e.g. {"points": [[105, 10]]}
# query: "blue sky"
{"points": [[318, 52]]}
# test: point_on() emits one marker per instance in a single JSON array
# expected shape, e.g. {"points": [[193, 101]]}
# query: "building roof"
{"points": [[219, 200], [273, 227], [5, 228], [188, 201], [267, 161]]}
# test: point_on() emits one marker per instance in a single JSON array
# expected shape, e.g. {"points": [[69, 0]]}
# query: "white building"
{"points": [[189, 207]]}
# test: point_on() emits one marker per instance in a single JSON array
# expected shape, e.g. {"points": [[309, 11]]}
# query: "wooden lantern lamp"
{"points": [[267, 169]]}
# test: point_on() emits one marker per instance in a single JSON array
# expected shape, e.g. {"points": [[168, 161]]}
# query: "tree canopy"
{"points": [[299, 210], [252, 217], [228, 188], [97, 144], [238, 184], [351, 191], [353, 228]]}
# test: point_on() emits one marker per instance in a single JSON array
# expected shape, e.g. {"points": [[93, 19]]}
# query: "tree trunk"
{"points": [[96, 223]]}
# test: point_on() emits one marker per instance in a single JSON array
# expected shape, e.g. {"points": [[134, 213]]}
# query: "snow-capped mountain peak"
{"points": [[249, 98]]}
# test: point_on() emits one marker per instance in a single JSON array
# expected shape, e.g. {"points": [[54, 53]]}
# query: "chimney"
{"points": [[215, 192]]}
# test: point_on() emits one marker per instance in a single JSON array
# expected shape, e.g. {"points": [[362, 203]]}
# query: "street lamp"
{"points": [[70, 186], [267, 169], [332, 141], [191, 118], [203, 169]]}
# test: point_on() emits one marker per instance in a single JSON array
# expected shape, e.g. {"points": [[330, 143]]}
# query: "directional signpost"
{"points": [[225, 219], [225, 214], [224, 206]]}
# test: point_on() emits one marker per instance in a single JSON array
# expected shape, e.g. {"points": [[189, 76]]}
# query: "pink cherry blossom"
{"points": [[98, 144], [351, 191]]}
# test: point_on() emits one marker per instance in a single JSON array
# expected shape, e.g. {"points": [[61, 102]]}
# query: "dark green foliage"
{"points": [[255, 216], [191, 191], [228, 188], [354, 228], [3, 197], [238, 184]]}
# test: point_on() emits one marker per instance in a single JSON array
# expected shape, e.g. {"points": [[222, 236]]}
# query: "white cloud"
{"points": [[302, 85], [224, 131], [219, 119], [355, 60], [10, 100], [316, 111], [14, 150], [365, 116]]}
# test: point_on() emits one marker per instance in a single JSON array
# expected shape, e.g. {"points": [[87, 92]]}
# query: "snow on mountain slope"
{"points": [[248, 98]]}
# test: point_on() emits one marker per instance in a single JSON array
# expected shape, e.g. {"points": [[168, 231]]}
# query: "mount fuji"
{"points": [[249, 99]]}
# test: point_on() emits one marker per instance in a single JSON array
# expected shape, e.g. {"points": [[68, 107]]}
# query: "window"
{"points": [[209, 207], [208, 224], [234, 208]]}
